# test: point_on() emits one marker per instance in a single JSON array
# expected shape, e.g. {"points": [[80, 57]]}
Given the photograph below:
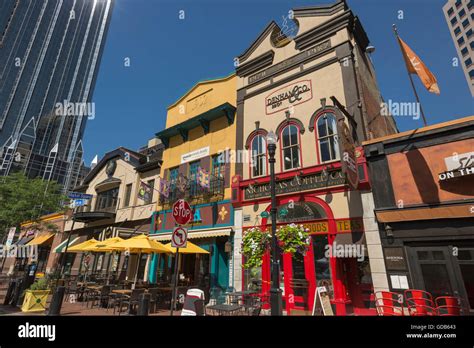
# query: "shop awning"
{"points": [[197, 234], [42, 239], [24, 240], [453, 211], [61, 247]]}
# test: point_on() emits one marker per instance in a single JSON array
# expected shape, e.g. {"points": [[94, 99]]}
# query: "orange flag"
{"points": [[416, 66]]}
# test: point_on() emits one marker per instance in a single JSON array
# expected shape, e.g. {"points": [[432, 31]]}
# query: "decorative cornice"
{"points": [[268, 29], [260, 62], [320, 10], [331, 27]]}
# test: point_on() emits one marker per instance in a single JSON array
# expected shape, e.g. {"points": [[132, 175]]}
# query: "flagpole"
{"points": [[410, 77]]}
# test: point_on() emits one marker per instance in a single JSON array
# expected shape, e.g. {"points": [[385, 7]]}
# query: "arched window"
{"points": [[327, 137], [259, 156], [290, 147]]}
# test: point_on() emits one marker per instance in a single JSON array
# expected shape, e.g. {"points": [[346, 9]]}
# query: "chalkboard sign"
{"points": [[322, 305]]}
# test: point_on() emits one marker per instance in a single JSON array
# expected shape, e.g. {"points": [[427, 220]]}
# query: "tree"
{"points": [[23, 199]]}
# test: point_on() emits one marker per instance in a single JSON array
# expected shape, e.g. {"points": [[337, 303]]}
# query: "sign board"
{"points": [[78, 195], [182, 212], [11, 235], [78, 203], [179, 238], [288, 96], [322, 305], [457, 166], [297, 184], [195, 155], [348, 154]]}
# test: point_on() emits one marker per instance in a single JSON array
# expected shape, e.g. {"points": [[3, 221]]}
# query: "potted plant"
{"points": [[36, 296]]}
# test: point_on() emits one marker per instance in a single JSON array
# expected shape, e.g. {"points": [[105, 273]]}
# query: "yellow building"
{"points": [[199, 140]]}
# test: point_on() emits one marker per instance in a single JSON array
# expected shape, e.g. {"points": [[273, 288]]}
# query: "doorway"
{"points": [[444, 271]]}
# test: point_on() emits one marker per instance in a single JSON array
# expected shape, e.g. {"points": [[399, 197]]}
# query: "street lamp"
{"points": [[275, 291]]}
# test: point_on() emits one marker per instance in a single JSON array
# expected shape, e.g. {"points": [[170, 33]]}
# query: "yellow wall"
{"points": [[202, 97]]}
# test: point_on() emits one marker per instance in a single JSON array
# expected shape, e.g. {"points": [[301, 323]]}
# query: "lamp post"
{"points": [[275, 291]]}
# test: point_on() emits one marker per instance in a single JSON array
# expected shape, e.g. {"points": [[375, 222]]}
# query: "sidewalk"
{"points": [[79, 309]]}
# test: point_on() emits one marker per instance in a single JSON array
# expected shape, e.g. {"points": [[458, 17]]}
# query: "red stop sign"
{"points": [[182, 212]]}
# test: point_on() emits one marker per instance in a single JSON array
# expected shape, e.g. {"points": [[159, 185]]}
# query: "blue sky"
{"points": [[168, 55]]}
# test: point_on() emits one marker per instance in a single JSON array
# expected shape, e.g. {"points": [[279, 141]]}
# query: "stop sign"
{"points": [[182, 212]]}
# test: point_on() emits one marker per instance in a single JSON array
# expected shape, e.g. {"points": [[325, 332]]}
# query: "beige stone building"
{"points": [[115, 208], [316, 89]]}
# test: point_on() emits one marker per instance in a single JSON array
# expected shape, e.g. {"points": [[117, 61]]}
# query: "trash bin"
{"points": [[193, 303]]}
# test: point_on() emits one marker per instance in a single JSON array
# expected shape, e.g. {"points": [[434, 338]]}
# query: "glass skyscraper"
{"points": [[50, 51]]}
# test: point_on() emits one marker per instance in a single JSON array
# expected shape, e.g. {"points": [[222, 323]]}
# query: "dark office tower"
{"points": [[50, 52]]}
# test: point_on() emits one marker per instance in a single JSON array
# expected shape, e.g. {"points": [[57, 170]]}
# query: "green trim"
{"points": [[60, 248], [201, 120]]}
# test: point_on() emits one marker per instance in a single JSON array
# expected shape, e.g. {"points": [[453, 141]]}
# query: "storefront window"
{"points": [[327, 137], [321, 263], [300, 211], [253, 279], [290, 147], [259, 156]]}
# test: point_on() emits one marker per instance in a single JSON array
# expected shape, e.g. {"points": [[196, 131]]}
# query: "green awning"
{"points": [[60, 248], [202, 120]]}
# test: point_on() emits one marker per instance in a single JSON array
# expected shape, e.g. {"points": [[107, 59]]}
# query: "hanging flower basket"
{"points": [[294, 239], [255, 243]]}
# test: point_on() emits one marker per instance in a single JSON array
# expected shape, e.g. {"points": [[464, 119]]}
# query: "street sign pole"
{"points": [[175, 281]]}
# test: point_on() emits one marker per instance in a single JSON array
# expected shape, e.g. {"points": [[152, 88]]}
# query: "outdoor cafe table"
{"points": [[225, 309], [237, 294]]}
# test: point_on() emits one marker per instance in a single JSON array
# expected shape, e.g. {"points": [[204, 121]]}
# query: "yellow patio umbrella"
{"points": [[191, 248], [141, 244], [82, 247], [105, 245]]}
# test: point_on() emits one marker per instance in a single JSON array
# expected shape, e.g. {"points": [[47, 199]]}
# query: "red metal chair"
{"points": [[449, 306], [387, 303], [419, 303]]}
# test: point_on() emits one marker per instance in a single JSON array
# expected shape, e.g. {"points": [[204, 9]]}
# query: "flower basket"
{"points": [[294, 239], [255, 243]]}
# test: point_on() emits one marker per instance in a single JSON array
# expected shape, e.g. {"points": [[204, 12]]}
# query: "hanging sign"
{"points": [[348, 154]]}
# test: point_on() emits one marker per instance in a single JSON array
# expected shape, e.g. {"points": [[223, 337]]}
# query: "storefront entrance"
{"points": [[346, 279], [444, 271]]}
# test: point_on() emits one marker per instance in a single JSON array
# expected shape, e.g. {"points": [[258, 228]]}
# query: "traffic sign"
{"points": [[179, 238], [79, 195], [182, 212]]}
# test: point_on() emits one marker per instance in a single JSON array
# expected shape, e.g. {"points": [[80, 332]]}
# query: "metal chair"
{"points": [[419, 303], [154, 297], [132, 300], [388, 304], [449, 306]]}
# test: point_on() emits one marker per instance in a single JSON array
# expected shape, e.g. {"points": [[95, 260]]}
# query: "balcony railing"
{"points": [[195, 192], [99, 203]]}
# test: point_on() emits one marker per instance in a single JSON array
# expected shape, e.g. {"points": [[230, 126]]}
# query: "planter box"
{"points": [[35, 300]]}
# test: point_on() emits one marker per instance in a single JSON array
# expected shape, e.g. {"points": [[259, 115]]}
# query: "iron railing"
{"points": [[193, 191]]}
